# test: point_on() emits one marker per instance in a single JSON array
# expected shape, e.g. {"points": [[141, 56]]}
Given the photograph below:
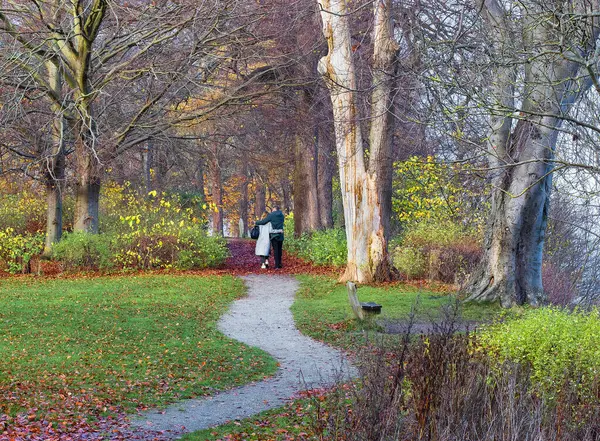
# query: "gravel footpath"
{"points": [[262, 319]]}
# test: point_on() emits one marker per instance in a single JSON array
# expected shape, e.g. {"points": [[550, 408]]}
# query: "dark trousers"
{"points": [[277, 244]]}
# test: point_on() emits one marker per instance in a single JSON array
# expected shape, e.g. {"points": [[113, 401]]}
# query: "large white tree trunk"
{"points": [[368, 257]]}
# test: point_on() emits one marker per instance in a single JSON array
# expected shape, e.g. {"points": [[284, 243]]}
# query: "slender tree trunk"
{"points": [[325, 181], [260, 199], [162, 167], [286, 190], [54, 222], [55, 168], [147, 163], [217, 193], [200, 184], [368, 257], [244, 197]]}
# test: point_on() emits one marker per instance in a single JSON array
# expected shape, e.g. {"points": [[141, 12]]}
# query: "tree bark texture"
{"points": [[78, 60], [361, 184], [306, 198], [148, 164], [55, 167], [521, 156], [260, 199], [200, 178], [286, 190], [244, 198], [313, 169], [325, 179], [217, 192], [87, 186]]}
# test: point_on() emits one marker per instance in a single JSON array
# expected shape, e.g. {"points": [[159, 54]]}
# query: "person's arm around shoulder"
{"points": [[264, 221]]}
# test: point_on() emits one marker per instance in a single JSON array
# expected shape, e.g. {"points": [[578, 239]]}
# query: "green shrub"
{"points": [[442, 233], [198, 250], [558, 345], [23, 207], [410, 261], [293, 244], [23, 211], [84, 250], [189, 249], [16, 250], [140, 250], [325, 247]]}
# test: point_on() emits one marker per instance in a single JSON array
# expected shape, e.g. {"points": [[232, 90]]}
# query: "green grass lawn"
{"points": [[322, 310], [93, 346]]}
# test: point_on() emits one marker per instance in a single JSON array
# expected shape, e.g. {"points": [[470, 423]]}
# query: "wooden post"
{"points": [[353, 298]]}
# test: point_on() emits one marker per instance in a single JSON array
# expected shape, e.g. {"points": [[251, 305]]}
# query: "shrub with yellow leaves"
{"points": [[16, 250], [155, 231], [441, 220]]}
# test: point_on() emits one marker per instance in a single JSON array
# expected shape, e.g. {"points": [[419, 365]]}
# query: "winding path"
{"points": [[261, 319]]}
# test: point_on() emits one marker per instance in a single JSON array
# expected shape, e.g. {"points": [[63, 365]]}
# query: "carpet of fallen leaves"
{"points": [[74, 428], [80, 416], [243, 261]]}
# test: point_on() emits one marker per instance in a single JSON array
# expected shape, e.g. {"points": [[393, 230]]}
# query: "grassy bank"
{"points": [[323, 312], [93, 346]]}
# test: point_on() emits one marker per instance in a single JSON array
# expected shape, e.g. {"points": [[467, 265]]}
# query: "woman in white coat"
{"points": [[263, 244]]}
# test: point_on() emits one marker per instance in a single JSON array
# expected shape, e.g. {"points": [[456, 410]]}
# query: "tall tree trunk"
{"points": [[87, 193], [260, 199], [244, 198], [147, 164], [368, 257], [55, 176], [55, 167], [200, 184], [87, 185], [54, 189], [286, 191], [325, 180], [510, 270], [78, 58], [217, 192], [306, 199]]}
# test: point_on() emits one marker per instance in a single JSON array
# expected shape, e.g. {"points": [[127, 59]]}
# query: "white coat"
{"points": [[263, 243]]}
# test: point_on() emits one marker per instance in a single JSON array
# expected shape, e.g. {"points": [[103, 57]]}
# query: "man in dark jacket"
{"points": [[276, 218]]}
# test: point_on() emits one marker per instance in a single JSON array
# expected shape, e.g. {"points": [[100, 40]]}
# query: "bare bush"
{"points": [[440, 387]]}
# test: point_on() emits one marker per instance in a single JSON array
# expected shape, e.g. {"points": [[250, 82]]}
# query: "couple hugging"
{"points": [[271, 233]]}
